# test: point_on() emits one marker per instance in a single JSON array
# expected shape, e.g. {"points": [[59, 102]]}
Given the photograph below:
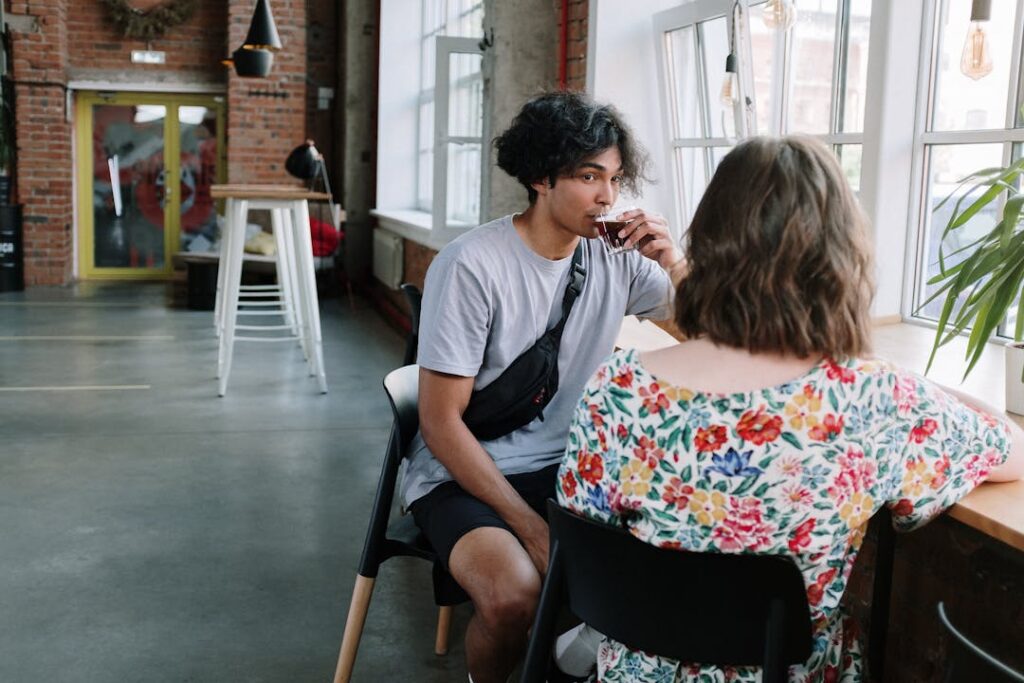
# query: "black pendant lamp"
{"points": [[262, 30], [256, 56], [252, 63]]}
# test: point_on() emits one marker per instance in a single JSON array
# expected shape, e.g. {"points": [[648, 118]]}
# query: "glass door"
{"points": [[145, 166]]}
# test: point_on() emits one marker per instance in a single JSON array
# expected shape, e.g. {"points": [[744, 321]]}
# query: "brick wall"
{"points": [[576, 47], [96, 46], [43, 138], [52, 45], [262, 130]]}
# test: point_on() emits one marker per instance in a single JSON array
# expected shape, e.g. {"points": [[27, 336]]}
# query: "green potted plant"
{"points": [[982, 279]]}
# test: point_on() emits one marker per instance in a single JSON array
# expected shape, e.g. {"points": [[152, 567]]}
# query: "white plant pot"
{"points": [[1014, 385]]}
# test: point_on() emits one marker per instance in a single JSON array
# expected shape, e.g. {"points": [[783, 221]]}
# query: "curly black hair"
{"points": [[556, 132]]}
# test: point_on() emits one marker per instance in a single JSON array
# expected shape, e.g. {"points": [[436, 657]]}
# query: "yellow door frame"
{"points": [[85, 100]]}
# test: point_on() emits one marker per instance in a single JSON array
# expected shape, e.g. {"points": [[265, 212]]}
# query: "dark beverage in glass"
{"points": [[608, 226]]}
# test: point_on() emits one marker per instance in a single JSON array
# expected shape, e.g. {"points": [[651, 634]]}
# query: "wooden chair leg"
{"points": [[444, 626], [353, 628]]}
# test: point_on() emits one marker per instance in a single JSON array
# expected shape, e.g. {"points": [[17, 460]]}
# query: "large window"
{"points": [[964, 125], [432, 119], [809, 79], [451, 178]]}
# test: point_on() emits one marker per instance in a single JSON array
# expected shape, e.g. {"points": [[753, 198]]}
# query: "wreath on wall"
{"points": [[148, 24]]}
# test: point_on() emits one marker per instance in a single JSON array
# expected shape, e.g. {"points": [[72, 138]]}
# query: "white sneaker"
{"points": [[576, 651]]}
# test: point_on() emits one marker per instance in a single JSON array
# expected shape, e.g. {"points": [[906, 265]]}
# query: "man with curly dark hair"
{"points": [[489, 295]]}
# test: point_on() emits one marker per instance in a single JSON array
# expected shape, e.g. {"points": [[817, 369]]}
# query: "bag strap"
{"points": [[577, 276]]}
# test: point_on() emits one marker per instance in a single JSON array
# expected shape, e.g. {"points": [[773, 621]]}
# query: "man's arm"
{"points": [[442, 400]]}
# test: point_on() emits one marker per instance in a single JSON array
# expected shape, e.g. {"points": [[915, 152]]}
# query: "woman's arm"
{"points": [[1013, 468]]}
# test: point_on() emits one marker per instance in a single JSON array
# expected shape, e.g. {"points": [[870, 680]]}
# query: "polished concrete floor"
{"points": [[151, 531]]}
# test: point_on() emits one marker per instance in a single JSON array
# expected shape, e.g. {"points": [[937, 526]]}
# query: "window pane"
{"points": [[714, 38], [682, 83], [811, 60], [427, 63], [962, 103], [850, 160], [129, 177], [465, 95], [691, 177], [198, 170], [463, 202], [469, 22], [947, 166], [856, 67], [1009, 325], [425, 181], [763, 58]]}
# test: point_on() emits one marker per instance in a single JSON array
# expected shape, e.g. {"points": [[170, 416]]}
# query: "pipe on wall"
{"points": [[563, 48]]}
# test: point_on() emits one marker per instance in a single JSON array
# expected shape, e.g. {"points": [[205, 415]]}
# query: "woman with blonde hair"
{"points": [[771, 430]]}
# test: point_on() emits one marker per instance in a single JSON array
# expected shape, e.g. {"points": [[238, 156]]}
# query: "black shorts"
{"points": [[448, 512]]}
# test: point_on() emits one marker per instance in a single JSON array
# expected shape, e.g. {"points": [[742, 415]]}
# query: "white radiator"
{"points": [[387, 258]]}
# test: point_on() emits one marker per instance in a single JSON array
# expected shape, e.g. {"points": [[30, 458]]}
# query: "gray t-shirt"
{"points": [[488, 297]]}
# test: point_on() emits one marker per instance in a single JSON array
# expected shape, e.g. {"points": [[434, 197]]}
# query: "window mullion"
{"points": [[1017, 86], [703, 81], [780, 79], [840, 60], [704, 85]]}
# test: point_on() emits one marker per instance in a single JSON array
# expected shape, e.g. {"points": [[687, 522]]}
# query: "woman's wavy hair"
{"points": [[556, 132], [779, 256]]}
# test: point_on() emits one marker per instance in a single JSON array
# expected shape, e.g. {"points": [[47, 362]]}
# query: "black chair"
{"points": [[415, 298], [968, 662], [399, 539], [617, 584]]}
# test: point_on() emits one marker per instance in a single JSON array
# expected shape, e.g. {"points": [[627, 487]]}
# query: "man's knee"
{"points": [[511, 603], [499, 576]]}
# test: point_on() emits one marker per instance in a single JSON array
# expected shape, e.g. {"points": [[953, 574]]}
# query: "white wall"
{"points": [[398, 89], [622, 71]]}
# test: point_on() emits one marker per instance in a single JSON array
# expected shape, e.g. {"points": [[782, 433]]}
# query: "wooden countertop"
{"points": [[264, 191], [993, 509]]}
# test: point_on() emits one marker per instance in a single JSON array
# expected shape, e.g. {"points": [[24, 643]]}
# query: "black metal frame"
{"points": [[402, 538]]}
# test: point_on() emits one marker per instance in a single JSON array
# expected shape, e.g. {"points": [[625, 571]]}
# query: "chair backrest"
{"points": [[968, 662], [402, 387], [694, 607], [415, 298]]}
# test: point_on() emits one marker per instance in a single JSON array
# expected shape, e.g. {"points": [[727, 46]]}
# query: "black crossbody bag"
{"points": [[524, 389]]}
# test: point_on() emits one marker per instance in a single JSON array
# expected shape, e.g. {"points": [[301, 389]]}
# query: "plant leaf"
{"points": [[1011, 216]]}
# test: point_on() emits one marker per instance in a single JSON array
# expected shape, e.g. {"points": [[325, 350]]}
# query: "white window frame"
{"points": [[445, 47], [675, 19], [408, 36], [1008, 136], [700, 11]]}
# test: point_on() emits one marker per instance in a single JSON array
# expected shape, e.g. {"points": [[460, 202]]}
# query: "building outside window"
{"points": [[963, 125]]}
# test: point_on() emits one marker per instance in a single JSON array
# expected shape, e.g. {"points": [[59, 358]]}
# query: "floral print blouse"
{"points": [[794, 469]]}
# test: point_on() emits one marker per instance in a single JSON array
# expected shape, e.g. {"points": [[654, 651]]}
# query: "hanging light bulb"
{"points": [[779, 14], [976, 62], [730, 88]]}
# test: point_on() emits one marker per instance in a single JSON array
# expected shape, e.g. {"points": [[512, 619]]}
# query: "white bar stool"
{"points": [[294, 298]]}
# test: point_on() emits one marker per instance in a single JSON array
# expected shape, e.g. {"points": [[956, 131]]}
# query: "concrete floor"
{"points": [[161, 533]]}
